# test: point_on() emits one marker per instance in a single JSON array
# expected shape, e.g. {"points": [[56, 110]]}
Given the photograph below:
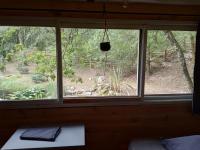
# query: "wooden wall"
{"points": [[62, 8], [109, 127]]}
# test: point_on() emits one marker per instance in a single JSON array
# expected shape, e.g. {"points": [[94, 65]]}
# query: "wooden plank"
{"points": [[91, 10], [50, 5], [142, 8], [109, 126]]}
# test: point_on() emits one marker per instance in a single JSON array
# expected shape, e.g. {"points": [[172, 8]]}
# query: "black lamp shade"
{"points": [[105, 46]]}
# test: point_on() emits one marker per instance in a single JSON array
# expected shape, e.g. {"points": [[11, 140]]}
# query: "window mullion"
{"points": [[141, 62], [59, 64]]}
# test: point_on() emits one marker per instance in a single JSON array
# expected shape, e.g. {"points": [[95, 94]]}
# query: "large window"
{"points": [[27, 63], [140, 63], [169, 62]]}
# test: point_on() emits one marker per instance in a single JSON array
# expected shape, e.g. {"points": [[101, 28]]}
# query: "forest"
{"points": [[28, 62]]}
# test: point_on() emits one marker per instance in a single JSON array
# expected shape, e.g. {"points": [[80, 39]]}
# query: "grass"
{"points": [[51, 88], [14, 83]]}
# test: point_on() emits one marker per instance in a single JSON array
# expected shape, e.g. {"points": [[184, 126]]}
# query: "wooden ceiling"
{"points": [[153, 1], [136, 9]]}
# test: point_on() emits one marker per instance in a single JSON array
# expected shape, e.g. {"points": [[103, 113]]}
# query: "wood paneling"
{"points": [[63, 5], [109, 127], [64, 9]]}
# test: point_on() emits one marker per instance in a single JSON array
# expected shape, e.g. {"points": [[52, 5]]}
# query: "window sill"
{"points": [[92, 102]]}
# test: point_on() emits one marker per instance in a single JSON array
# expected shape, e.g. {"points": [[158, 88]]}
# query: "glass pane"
{"points": [[170, 62], [27, 63], [87, 71]]}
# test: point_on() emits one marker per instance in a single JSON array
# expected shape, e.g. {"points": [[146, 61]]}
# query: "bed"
{"points": [[147, 144], [191, 142]]}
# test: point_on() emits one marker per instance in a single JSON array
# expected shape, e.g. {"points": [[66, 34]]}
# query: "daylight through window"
{"points": [[29, 57], [27, 63], [169, 62], [87, 71]]}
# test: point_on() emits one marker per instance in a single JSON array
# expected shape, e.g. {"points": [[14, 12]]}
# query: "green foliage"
{"points": [[77, 79], [157, 44], [115, 80], [7, 40], [34, 93], [81, 49], [13, 83], [22, 69], [38, 78], [46, 63], [18, 47], [51, 89], [69, 72], [9, 57], [34, 48], [2, 67]]}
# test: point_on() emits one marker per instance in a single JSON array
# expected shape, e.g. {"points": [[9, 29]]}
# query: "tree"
{"points": [[180, 51]]}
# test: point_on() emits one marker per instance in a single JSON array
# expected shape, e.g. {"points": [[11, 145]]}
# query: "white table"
{"points": [[70, 136]]}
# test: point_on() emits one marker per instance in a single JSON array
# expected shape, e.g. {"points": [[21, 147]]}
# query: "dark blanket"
{"points": [[41, 134], [183, 143]]}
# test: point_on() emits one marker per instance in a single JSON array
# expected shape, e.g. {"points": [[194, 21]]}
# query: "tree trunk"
{"points": [[179, 49], [165, 56], [148, 62], [192, 47]]}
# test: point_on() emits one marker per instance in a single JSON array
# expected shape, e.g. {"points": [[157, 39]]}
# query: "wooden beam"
{"points": [[94, 10], [90, 6]]}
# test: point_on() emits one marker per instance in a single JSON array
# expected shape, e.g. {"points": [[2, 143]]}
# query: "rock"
{"points": [[87, 93]]}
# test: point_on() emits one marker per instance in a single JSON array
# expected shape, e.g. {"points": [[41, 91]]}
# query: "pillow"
{"points": [[182, 143], [146, 144]]}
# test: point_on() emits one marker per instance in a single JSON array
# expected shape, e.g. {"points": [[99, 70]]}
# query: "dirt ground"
{"points": [[168, 80]]}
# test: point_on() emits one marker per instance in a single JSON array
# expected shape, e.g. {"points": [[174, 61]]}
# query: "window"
{"points": [[87, 71], [27, 63], [56, 63], [169, 62]]}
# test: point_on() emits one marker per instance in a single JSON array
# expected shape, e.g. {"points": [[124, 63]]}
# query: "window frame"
{"points": [[61, 101]]}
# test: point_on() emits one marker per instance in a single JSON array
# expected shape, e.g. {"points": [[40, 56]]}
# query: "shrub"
{"points": [[13, 83], [18, 47], [39, 78], [9, 57], [23, 69], [69, 72], [34, 93], [2, 67]]}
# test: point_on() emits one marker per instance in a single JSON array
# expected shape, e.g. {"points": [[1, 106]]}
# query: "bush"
{"points": [[22, 69], [9, 57], [39, 78], [18, 47], [34, 93], [69, 72], [2, 67], [13, 83]]}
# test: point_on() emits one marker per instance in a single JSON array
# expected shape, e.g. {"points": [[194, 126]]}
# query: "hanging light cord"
{"points": [[105, 34]]}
